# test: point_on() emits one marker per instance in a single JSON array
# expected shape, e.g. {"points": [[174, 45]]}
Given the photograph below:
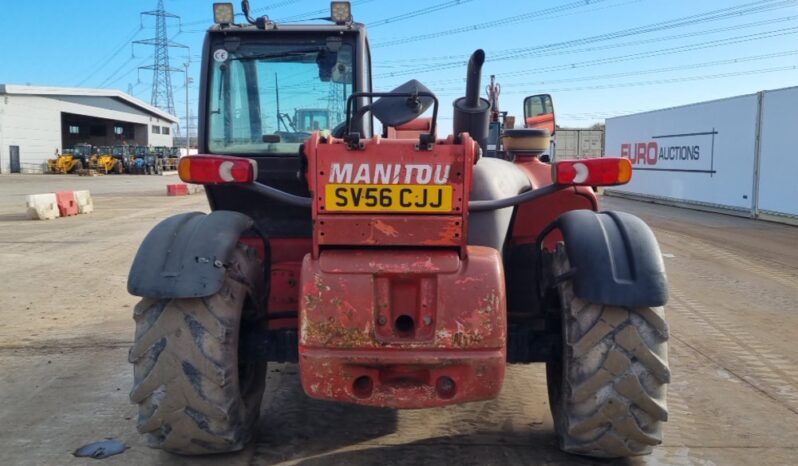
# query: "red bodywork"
{"points": [[396, 309], [532, 217], [354, 348], [545, 121]]}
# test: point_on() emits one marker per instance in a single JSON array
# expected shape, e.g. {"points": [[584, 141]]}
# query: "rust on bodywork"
{"points": [[401, 329], [396, 309]]}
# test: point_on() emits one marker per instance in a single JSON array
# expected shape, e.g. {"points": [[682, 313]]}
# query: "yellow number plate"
{"points": [[388, 198]]}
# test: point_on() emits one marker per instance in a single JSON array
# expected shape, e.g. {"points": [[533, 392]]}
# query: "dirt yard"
{"points": [[66, 327]]}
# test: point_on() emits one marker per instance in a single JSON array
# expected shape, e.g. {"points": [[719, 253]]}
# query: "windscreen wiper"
{"points": [[266, 56]]}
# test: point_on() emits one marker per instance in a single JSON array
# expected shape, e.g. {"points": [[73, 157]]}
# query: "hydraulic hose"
{"points": [[277, 195], [496, 204], [473, 206]]}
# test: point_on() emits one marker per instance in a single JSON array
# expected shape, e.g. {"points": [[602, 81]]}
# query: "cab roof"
{"points": [[288, 27]]}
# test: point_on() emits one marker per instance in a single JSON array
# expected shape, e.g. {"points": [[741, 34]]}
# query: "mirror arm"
{"points": [[410, 95]]}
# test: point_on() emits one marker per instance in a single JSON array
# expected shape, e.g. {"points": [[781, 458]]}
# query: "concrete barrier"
{"points": [[42, 206], [67, 206], [196, 189], [85, 202]]}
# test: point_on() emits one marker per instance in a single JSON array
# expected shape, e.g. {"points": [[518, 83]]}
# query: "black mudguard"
{"points": [[615, 259], [184, 256]]}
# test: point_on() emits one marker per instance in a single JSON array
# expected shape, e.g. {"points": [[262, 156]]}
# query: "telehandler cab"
{"points": [[399, 270]]}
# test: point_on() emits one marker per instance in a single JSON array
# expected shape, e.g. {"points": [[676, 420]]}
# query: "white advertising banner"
{"points": [[778, 159], [702, 153]]}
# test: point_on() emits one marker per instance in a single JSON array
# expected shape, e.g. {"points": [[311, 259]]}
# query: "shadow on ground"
{"points": [[294, 426], [477, 449]]}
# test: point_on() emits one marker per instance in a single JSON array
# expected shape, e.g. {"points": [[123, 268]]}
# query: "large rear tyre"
{"points": [[607, 390], [195, 392]]}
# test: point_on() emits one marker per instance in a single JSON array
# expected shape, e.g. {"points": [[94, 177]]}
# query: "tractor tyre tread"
{"points": [[186, 372], [608, 391]]}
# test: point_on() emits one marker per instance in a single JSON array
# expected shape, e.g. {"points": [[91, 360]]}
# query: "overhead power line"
{"points": [[111, 80], [415, 13], [315, 13], [714, 15], [115, 72], [592, 48], [703, 77], [649, 54], [491, 24], [657, 53], [108, 58], [660, 39], [681, 67], [272, 6]]}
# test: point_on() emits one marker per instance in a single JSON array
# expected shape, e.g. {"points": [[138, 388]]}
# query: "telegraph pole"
{"points": [[188, 115]]}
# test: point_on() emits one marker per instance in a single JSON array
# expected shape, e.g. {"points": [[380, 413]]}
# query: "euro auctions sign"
{"points": [[697, 153], [686, 152]]}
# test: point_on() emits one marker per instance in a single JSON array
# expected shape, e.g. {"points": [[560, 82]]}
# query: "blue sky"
{"points": [[598, 58]]}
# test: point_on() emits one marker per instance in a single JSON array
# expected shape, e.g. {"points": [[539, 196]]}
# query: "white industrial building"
{"points": [[36, 122]]}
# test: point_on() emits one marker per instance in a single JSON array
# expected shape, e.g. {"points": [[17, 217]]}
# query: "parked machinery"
{"points": [[402, 271], [304, 122], [106, 162], [170, 157], [71, 160], [166, 160], [63, 163], [125, 155], [137, 160], [153, 165]]}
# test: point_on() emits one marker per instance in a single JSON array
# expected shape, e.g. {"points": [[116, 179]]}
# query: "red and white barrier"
{"points": [[67, 206], [61, 204], [179, 189], [42, 206], [85, 202]]}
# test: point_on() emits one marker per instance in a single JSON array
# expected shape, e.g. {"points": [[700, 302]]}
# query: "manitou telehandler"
{"points": [[399, 270]]}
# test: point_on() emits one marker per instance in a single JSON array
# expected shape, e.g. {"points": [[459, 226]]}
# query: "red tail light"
{"points": [[216, 169], [606, 171]]}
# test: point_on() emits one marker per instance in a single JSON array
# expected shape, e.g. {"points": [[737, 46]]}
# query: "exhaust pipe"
{"points": [[471, 113]]}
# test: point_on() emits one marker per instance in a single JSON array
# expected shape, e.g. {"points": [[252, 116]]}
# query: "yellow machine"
{"points": [[66, 162], [105, 161], [108, 164]]}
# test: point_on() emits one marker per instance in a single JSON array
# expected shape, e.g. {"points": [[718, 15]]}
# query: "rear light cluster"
{"points": [[216, 169], [606, 171]]}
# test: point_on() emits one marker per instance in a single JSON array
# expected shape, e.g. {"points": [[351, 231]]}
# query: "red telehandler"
{"points": [[400, 269]]}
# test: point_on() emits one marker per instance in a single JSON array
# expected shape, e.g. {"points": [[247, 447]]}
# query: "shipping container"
{"points": [[736, 154], [778, 154], [579, 143]]}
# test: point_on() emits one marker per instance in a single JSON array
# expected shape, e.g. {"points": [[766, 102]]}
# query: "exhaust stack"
{"points": [[471, 113]]}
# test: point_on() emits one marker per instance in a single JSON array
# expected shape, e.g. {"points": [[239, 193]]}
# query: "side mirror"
{"points": [[325, 60], [396, 111], [342, 70], [539, 112]]}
